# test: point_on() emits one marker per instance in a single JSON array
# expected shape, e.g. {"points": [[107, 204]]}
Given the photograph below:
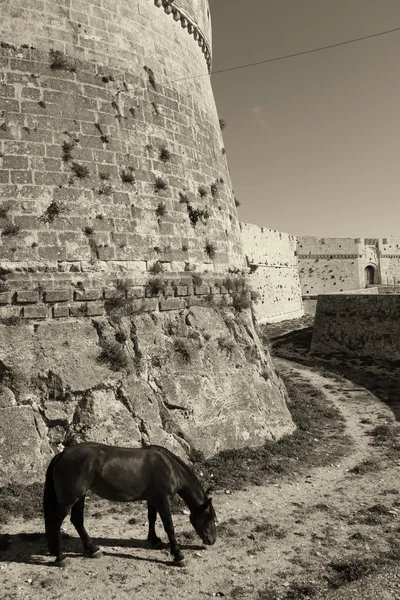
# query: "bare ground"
{"points": [[305, 536]]}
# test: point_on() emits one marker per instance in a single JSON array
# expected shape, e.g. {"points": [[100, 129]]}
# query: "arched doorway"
{"points": [[369, 275]]}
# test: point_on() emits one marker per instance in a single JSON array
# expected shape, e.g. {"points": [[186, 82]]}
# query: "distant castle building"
{"points": [[329, 265]]}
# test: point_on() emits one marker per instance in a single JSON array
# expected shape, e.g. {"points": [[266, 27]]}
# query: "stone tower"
{"points": [[118, 230]]}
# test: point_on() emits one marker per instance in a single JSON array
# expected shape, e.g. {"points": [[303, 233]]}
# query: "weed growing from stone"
{"points": [[196, 215], [5, 209], [67, 148], [53, 211], [122, 285], [127, 175], [222, 123], [237, 289], [197, 279], [156, 268], [152, 78], [223, 151], [61, 62], [185, 247], [104, 175], [226, 343], [121, 337], [10, 229], [161, 210], [114, 356], [202, 191], [237, 203], [80, 171], [156, 285], [181, 348], [160, 184], [106, 189], [88, 230], [42, 104], [183, 198], [165, 155], [210, 250], [214, 189], [103, 137]]}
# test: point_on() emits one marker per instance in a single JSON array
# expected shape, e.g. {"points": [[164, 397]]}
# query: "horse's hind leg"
{"points": [[152, 537], [164, 509], [77, 521], [54, 519]]}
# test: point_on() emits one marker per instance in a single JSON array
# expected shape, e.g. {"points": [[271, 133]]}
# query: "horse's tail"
{"points": [[50, 504]]}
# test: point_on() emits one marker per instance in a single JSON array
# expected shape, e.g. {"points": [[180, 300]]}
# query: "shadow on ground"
{"points": [[31, 548]]}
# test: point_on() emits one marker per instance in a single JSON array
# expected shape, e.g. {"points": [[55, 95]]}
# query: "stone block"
{"points": [[87, 295], [95, 309], [5, 298], [168, 291], [27, 297], [145, 305], [38, 311], [78, 310], [56, 295], [136, 292], [181, 290], [60, 311], [202, 290], [173, 304]]}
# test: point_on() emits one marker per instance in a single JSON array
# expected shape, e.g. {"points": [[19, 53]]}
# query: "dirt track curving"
{"points": [[278, 540]]}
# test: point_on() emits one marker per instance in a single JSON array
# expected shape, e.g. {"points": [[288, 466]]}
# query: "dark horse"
{"points": [[151, 473]]}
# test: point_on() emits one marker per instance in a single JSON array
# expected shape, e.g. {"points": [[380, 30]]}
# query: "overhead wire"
{"points": [[286, 56]]}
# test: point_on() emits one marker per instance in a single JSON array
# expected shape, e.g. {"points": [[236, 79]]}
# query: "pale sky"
{"points": [[313, 142]]}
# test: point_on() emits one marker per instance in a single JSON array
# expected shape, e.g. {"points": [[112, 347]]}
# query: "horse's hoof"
{"points": [[61, 563], [180, 562], [96, 554]]}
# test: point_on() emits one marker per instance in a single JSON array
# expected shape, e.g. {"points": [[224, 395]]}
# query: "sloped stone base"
{"points": [[194, 379]]}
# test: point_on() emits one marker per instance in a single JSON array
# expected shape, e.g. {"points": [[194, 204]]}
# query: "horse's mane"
{"points": [[185, 467]]}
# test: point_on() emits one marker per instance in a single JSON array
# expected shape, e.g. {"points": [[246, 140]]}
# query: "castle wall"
{"points": [[89, 137], [328, 265], [118, 231], [366, 325], [274, 276], [389, 259]]}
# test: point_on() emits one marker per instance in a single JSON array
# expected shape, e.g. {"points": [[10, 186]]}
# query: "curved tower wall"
{"points": [[100, 104], [118, 228]]}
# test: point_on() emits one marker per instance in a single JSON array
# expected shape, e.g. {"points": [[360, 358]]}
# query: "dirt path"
{"points": [[276, 535]]}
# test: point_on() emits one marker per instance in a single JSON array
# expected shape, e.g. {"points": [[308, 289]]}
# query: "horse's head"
{"points": [[203, 520]]}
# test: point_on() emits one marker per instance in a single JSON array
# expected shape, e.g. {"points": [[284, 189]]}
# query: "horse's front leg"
{"points": [[164, 509], [152, 537], [77, 521]]}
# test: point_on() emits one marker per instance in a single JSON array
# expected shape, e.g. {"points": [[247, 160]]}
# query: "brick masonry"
{"points": [[271, 256], [111, 154], [95, 297]]}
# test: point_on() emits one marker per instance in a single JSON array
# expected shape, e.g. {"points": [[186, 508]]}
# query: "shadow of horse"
{"points": [[31, 548]]}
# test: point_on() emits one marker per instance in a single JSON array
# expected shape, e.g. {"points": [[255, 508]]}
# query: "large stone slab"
{"points": [[24, 448]]}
